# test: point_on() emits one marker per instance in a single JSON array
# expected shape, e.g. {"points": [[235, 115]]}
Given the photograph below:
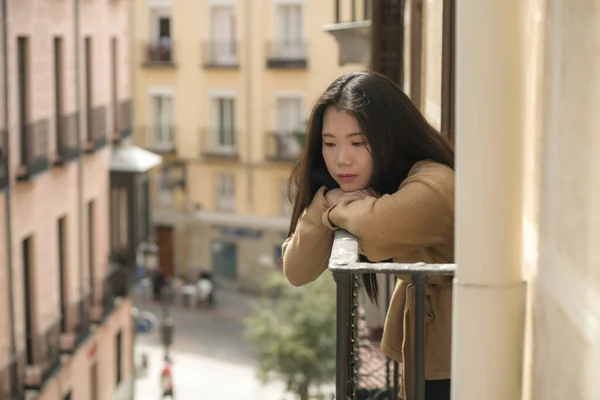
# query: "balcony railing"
{"points": [[118, 283], [219, 143], [351, 359], [124, 119], [352, 30], [76, 325], [96, 129], [160, 139], [3, 159], [286, 55], [159, 53], [12, 379], [352, 10], [284, 146], [34, 149], [218, 54], [66, 138], [45, 357]]}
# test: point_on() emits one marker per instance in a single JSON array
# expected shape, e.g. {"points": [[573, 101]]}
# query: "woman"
{"points": [[373, 166]]}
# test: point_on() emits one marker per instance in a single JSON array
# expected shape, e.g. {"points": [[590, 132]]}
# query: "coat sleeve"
{"points": [[416, 216], [306, 253]]}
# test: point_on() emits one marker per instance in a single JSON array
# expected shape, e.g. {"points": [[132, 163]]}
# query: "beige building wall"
{"points": [[39, 202], [197, 224]]}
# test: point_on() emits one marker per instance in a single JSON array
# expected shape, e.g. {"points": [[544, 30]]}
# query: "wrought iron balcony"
{"points": [[12, 379], [122, 120], [76, 325], [352, 30], [118, 283], [159, 53], [286, 55], [3, 159], [66, 138], [284, 146], [219, 143], [218, 54], [45, 357], [160, 138], [353, 353], [96, 129], [34, 149]]}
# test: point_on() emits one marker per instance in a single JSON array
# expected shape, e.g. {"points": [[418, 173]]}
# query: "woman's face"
{"points": [[346, 151]]}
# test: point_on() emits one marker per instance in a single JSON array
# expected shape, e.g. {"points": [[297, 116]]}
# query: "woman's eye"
{"points": [[357, 144], [328, 144]]}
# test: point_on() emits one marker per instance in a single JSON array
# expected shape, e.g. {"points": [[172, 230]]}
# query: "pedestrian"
{"points": [[375, 167], [166, 379]]}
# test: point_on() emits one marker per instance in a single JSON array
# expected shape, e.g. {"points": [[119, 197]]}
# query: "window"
{"points": [[28, 288], [223, 34], [58, 82], [119, 218], [226, 193], [119, 358], [286, 206], [289, 31], [88, 86], [224, 122], [114, 95], [160, 46], [161, 114], [23, 90], [62, 271], [289, 126]]}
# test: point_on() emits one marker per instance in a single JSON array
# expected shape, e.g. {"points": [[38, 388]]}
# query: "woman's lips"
{"points": [[346, 177]]}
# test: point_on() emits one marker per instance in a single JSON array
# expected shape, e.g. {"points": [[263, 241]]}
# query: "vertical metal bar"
{"points": [[337, 11], [366, 13], [419, 281], [353, 10], [387, 307], [343, 390]]}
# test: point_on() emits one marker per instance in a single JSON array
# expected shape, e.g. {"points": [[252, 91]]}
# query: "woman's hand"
{"points": [[334, 196]]}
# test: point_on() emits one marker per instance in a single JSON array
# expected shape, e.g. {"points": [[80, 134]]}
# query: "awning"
{"points": [[133, 159]]}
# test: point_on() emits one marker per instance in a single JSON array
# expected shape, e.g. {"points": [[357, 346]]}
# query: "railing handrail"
{"points": [[344, 263]]}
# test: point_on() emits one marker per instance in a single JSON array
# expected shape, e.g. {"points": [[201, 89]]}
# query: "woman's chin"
{"points": [[350, 187]]}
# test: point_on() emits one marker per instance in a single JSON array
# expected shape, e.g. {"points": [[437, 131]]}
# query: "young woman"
{"points": [[373, 166]]}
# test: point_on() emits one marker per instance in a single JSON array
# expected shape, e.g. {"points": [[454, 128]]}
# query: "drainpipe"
{"points": [[76, 12], [249, 103], [489, 292], [8, 201]]}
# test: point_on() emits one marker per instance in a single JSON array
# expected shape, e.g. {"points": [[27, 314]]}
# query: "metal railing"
{"points": [[219, 143], [160, 138], [216, 54], [34, 148], [158, 53], [286, 54], [345, 266], [46, 356], [12, 378], [124, 118], [66, 138], [352, 10], [83, 325], [96, 128], [3, 159], [284, 146]]}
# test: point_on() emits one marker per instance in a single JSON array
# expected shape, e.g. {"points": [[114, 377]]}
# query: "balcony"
{"points": [[158, 54], [286, 147], [96, 129], [160, 139], [219, 143], [12, 379], [362, 370], [118, 283], [34, 149], [222, 55], [286, 55], [76, 325], [67, 148], [3, 159], [352, 30], [122, 120], [45, 359]]}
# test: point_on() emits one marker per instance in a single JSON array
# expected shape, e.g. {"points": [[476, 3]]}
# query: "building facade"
{"points": [[223, 89], [65, 108]]}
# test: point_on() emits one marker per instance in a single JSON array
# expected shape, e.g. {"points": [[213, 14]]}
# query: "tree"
{"points": [[293, 331]]}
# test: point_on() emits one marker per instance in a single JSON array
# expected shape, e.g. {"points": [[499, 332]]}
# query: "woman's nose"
{"points": [[344, 157]]}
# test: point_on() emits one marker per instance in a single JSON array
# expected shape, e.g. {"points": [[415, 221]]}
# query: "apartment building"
{"points": [[66, 330], [223, 89]]}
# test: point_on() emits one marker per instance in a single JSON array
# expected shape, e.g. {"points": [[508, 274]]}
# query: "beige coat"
{"points": [[415, 224]]}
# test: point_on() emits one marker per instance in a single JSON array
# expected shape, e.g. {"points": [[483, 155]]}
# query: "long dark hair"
{"points": [[397, 133]]}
